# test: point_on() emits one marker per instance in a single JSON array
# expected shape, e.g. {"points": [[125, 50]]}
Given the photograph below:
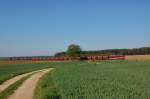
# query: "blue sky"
{"points": [[44, 27]]}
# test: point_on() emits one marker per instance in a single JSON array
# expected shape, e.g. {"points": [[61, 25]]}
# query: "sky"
{"points": [[44, 27]]}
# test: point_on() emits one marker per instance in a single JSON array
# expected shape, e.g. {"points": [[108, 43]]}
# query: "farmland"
{"points": [[97, 80], [116, 79], [11, 69], [138, 57]]}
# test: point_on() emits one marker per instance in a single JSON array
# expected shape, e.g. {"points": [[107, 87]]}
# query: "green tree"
{"points": [[74, 51]]}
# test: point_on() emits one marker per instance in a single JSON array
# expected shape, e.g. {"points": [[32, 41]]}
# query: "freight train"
{"points": [[50, 58]]}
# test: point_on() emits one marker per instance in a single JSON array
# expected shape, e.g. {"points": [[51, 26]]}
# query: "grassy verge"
{"points": [[47, 90], [11, 89]]}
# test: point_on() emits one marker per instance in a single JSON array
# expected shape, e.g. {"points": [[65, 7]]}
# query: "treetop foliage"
{"points": [[73, 50]]}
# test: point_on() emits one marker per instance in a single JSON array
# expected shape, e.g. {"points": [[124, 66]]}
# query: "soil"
{"points": [[138, 57]]}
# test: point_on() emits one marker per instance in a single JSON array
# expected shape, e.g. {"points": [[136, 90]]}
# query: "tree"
{"points": [[74, 51]]}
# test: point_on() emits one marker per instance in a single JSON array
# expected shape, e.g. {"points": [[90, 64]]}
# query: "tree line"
{"points": [[75, 51], [133, 51]]}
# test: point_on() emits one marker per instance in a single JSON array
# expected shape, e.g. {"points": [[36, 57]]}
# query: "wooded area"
{"points": [[134, 51]]}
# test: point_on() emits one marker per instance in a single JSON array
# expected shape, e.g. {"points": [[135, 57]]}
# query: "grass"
{"points": [[97, 80], [9, 70], [50, 89]]}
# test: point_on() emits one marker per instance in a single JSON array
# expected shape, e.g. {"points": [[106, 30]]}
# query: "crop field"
{"points": [[138, 57], [11, 69], [97, 80], [86, 79]]}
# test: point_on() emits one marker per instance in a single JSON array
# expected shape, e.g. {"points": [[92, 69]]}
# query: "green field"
{"points": [[87, 80], [10, 70], [92, 80]]}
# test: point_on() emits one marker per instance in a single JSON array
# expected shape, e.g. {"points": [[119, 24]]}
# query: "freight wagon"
{"points": [[49, 58]]}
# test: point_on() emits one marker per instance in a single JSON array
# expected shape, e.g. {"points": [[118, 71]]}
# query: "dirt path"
{"points": [[26, 90], [9, 82]]}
